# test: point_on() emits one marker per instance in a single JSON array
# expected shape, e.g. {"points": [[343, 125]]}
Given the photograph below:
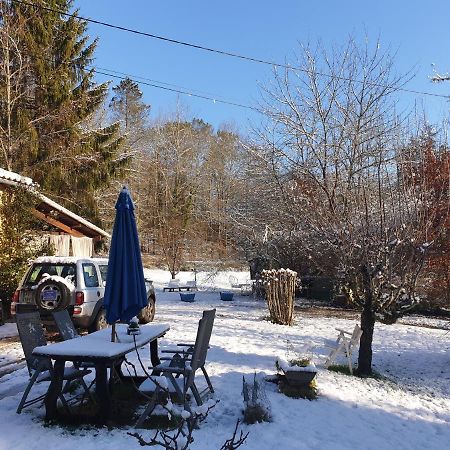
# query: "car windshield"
{"points": [[66, 271]]}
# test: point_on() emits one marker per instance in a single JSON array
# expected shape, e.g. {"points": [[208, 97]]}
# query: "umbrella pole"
{"points": [[113, 332]]}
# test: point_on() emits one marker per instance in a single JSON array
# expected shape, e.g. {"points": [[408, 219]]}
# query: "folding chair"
{"points": [[177, 374], [40, 368], [188, 350], [344, 344]]}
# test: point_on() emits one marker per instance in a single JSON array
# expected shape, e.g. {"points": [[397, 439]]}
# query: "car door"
{"points": [[91, 280]]}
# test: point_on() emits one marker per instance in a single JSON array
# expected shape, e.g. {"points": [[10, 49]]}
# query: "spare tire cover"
{"points": [[52, 296]]}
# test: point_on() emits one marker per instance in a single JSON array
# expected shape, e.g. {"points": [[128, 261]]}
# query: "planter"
{"points": [[299, 377], [187, 296], [226, 296]]}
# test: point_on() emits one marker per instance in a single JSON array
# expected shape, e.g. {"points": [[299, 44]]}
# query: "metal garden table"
{"points": [[97, 348]]}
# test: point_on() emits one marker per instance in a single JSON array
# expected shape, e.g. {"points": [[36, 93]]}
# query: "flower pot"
{"points": [[299, 377], [226, 296], [187, 296]]}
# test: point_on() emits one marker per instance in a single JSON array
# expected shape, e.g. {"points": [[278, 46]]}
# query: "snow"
{"points": [[15, 178], [8, 330], [67, 281], [409, 409], [99, 344]]}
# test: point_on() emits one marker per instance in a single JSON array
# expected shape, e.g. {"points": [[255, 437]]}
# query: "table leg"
{"points": [[154, 358], [102, 391], [54, 391]]}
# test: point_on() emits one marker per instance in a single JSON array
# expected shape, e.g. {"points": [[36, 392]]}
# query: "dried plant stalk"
{"points": [[280, 292]]}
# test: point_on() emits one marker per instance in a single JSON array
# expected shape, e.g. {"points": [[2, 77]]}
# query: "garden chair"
{"points": [[40, 369], [177, 373], [234, 283], [345, 343], [188, 349]]}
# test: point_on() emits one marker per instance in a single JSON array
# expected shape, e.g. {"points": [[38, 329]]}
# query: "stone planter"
{"points": [[299, 377]]}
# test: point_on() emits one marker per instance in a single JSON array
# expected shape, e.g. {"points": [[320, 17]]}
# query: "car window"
{"points": [[90, 275], [103, 272], [63, 270]]}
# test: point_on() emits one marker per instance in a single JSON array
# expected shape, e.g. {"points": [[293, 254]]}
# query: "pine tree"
{"points": [[128, 107], [62, 154]]}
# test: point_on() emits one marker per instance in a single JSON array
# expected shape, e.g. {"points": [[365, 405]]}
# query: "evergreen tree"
{"points": [[128, 108], [61, 153]]}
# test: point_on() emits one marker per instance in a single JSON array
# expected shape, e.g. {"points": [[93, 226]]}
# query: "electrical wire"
{"points": [[217, 51], [178, 91], [190, 91]]}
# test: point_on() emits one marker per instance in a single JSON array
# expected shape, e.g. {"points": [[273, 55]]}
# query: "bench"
{"points": [[174, 285]]}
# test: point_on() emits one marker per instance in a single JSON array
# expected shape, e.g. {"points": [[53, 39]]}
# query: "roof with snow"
{"points": [[51, 212], [13, 179]]}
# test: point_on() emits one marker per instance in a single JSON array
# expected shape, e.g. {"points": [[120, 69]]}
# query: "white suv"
{"points": [[53, 283]]}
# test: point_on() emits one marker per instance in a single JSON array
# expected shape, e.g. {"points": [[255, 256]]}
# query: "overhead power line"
{"points": [[171, 89], [217, 51], [176, 86]]}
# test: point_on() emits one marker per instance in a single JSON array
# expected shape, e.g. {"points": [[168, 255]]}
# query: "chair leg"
{"points": [[65, 404], [348, 352], [27, 391], [208, 381], [331, 357], [149, 408], [87, 391], [181, 394], [197, 396]]}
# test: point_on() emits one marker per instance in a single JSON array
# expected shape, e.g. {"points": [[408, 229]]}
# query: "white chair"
{"points": [[234, 283], [345, 343]]}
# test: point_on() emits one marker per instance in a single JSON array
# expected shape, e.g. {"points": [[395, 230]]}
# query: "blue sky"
{"points": [[417, 30]]}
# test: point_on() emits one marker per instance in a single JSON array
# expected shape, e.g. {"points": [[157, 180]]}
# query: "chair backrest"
{"points": [[233, 281], [356, 335], [204, 332], [65, 325], [31, 336]]}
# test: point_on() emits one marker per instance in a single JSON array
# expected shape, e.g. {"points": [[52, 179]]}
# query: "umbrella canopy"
{"points": [[125, 293]]}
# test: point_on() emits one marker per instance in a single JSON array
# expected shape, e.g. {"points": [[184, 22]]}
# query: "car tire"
{"points": [[60, 298], [147, 314]]}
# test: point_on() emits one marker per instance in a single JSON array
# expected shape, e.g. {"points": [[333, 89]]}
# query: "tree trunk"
{"points": [[367, 327]]}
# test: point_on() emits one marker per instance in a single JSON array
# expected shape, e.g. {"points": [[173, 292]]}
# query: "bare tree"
{"points": [[333, 143], [12, 81]]}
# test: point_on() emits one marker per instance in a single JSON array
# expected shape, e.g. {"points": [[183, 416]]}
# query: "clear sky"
{"points": [[417, 30]]}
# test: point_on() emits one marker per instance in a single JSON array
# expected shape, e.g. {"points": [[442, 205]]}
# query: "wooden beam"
{"points": [[57, 224]]}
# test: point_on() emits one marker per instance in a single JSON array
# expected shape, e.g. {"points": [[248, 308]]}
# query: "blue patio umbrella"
{"points": [[125, 292]]}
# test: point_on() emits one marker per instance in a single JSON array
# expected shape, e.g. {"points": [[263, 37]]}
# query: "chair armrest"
{"points": [[185, 345], [343, 331]]}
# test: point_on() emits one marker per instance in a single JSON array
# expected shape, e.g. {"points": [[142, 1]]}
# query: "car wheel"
{"points": [[99, 322], [147, 314], [52, 296]]}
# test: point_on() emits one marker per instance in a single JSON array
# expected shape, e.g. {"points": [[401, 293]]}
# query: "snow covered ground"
{"points": [[410, 410]]}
